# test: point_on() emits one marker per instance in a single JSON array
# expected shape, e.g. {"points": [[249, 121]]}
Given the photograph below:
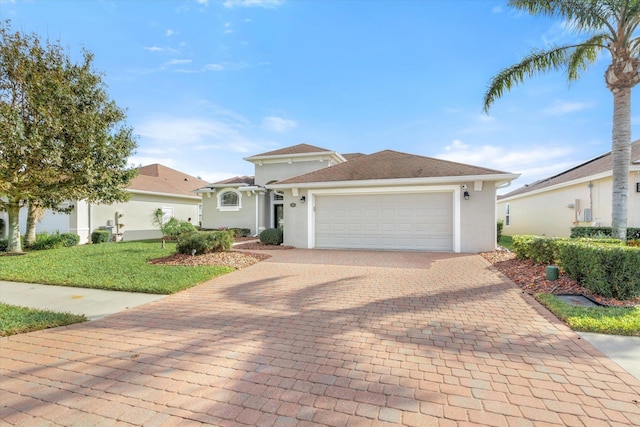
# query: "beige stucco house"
{"points": [[386, 200], [580, 196], [155, 187]]}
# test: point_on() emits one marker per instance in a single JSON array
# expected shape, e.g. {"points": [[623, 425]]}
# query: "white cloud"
{"points": [[170, 33], [496, 9], [179, 61], [533, 162], [228, 28], [566, 107], [278, 124], [252, 3], [153, 49]]}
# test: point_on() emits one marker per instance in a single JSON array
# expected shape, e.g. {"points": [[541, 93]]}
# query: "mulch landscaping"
{"points": [[531, 277]]}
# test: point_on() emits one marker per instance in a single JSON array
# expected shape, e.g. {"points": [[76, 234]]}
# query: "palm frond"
{"points": [[584, 54], [537, 62]]}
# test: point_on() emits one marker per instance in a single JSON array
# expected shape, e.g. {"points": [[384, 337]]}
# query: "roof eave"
{"points": [[158, 193], [397, 182], [332, 154]]}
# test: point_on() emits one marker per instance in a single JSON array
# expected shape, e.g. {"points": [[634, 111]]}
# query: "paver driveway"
{"points": [[322, 338]]}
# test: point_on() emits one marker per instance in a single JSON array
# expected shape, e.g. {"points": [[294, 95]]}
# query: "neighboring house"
{"points": [[580, 196], [155, 187], [385, 200]]}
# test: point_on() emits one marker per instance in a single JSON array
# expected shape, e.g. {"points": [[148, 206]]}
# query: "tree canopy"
{"points": [[61, 136], [610, 27]]}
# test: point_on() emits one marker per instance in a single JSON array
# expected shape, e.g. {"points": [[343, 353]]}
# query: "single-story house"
{"points": [[580, 196], [155, 187], [386, 200]]}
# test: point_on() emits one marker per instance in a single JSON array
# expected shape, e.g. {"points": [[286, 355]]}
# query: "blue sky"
{"points": [[206, 83]]}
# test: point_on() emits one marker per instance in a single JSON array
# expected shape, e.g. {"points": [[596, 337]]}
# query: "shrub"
{"points": [[56, 240], [241, 232], [499, 226], [100, 236], [174, 228], [632, 233], [605, 269], [4, 245], [271, 236], [204, 242], [538, 249]]}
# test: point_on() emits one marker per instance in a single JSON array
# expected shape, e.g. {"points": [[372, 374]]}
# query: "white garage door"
{"points": [[415, 221]]}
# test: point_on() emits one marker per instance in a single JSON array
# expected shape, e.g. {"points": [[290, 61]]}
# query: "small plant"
{"points": [[4, 245], [100, 236], [204, 242], [271, 236], [174, 228], [499, 226]]}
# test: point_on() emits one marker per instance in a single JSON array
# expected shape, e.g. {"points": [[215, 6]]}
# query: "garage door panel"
{"points": [[421, 221]]}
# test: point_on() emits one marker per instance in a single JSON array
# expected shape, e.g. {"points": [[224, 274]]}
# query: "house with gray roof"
{"points": [[579, 196], [386, 200]]}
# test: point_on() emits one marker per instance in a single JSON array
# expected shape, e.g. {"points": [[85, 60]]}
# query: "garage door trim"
{"points": [[455, 189]]}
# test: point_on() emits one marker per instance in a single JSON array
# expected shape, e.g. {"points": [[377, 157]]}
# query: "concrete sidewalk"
{"points": [[93, 303]]}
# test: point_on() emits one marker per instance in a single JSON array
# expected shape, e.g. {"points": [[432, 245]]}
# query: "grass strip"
{"points": [[119, 266], [603, 320], [17, 320]]}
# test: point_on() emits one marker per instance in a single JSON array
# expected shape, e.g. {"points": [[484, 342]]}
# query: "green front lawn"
{"points": [[603, 320], [114, 266], [506, 242], [17, 320]]}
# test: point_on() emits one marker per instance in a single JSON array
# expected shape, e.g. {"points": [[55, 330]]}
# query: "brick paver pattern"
{"points": [[322, 338]]}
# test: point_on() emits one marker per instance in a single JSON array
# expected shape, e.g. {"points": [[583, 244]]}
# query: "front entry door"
{"points": [[278, 215]]}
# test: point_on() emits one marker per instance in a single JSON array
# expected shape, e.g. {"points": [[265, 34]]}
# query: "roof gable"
{"points": [[295, 149], [595, 166], [157, 178], [389, 164]]}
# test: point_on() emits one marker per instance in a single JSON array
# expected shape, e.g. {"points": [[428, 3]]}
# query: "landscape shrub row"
{"points": [[632, 233], [604, 266], [55, 240], [271, 236], [204, 242], [100, 236]]}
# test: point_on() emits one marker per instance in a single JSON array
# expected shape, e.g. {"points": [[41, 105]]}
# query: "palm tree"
{"points": [[608, 26]]}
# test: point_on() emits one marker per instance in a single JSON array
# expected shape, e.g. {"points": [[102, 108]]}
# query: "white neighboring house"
{"points": [[156, 186], [580, 196]]}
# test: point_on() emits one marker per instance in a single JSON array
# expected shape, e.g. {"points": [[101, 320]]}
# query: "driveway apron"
{"points": [[338, 338]]}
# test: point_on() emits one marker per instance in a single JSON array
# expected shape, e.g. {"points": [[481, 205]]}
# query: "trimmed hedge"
{"points": [[56, 240], [204, 242], [175, 228], [632, 233], [4, 245], [499, 226], [100, 236], [536, 248], [271, 236], [609, 270]]}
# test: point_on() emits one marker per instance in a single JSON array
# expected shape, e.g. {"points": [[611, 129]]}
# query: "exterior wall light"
{"points": [[466, 195], [303, 199]]}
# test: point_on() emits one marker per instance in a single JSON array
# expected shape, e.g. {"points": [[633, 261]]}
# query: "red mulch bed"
{"points": [[531, 277]]}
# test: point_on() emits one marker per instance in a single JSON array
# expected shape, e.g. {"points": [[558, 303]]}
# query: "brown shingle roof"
{"points": [[296, 149], [242, 180], [390, 164], [351, 156], [595, 166], [161, 179]]}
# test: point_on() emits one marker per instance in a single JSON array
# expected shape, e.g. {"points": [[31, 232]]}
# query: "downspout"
{"points": [[257, 211], [90, 222]]}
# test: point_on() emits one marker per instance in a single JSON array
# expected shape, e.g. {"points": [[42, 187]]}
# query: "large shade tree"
{"points": [[609, 27], [61, 136]]}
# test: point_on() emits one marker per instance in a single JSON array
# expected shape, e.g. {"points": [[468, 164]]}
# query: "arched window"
{"points": [[229, 200]]}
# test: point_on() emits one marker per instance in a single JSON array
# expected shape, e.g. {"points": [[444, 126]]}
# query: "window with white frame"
{"points": [[229, 200], [507, 214]]}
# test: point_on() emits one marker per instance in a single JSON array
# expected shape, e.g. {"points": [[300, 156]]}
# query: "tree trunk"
{"points": [[33, 215], [13, 211], [620, 161]]}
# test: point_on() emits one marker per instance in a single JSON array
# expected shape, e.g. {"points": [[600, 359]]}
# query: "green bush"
{"points": [[204, 242], [174, 228], [55, 240], [241, 232], [4, 245], [632, 233], [499, 226], [271, 236], [100, 236], [539, 249], [605, 269]]}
